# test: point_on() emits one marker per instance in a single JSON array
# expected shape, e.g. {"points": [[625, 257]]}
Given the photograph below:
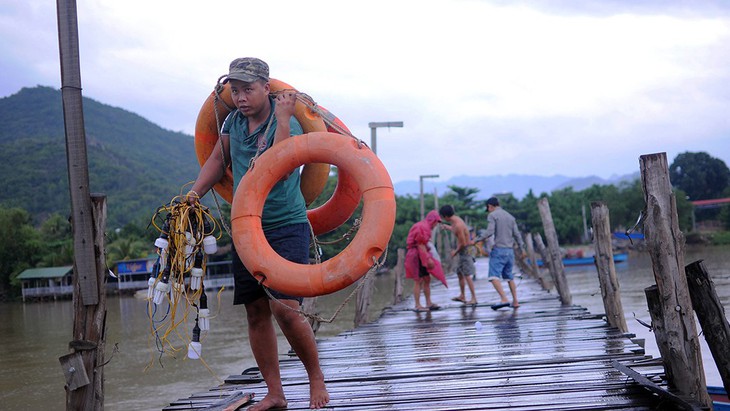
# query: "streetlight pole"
{"points": [[374, 125], [421, 181]]}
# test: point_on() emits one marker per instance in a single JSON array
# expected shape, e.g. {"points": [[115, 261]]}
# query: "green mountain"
{"points": [[138, 165]]}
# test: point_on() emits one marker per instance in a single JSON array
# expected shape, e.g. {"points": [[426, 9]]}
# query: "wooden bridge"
{"points": [[541, 356]]}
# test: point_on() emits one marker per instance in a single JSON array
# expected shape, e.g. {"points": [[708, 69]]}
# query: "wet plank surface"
{"points": [[541, 356]]}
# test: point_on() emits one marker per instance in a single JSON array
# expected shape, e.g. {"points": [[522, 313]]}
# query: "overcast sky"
{"points": [[484, 88]]}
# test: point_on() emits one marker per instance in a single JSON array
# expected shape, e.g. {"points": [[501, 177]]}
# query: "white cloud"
{"points": [[484, 87]]}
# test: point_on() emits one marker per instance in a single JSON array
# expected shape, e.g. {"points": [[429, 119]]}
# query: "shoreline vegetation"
{"points": [[26, 243]]}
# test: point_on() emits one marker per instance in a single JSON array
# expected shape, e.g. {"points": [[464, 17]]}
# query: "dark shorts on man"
{"points": [[465, 265], [290, 242], [422, 271]]}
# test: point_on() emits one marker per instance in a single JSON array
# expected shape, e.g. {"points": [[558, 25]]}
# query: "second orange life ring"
{"points": [[335, 211], [369, 243], [314, 176]]}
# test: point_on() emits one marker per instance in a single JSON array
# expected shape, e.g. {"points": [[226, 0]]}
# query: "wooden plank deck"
{"points": [[541, 356]]}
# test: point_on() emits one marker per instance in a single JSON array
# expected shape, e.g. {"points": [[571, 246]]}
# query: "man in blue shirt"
{"points": [[260, 122]]}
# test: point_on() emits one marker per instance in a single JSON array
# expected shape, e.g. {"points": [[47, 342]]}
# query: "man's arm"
{"points": [[518, 238], [284, 110], [212, 171], [462, 239]]}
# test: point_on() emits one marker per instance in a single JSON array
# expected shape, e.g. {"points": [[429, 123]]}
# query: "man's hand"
{"points": [[285, 106], [430, 264], [192, 198]]}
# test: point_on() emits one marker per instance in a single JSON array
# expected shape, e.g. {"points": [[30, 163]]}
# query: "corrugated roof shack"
{"points": [[47, 282]]}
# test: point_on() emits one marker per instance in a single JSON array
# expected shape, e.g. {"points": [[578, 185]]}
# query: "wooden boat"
{"points": [[720, 399], [617, 258]]}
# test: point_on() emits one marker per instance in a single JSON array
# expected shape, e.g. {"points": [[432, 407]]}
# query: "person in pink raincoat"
{"points": [[420, 263]]}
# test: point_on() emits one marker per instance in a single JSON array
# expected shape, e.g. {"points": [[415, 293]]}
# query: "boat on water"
{"points": [[571, 261], [720, 399]]}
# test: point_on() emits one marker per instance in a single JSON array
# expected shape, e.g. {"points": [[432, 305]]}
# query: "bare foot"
{"points": [[318, 395], [473, 301], [268, 403]]}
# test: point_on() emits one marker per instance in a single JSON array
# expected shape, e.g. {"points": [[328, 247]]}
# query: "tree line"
{"points": [[694, 175]]}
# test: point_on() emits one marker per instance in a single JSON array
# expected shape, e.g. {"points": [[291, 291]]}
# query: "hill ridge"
{"points": [[137, 164]]}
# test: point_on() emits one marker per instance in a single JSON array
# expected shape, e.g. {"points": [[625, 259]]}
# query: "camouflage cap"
{"points": [[247, 69]]}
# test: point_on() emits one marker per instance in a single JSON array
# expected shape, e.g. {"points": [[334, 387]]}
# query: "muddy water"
{"points": [[138, 377]]}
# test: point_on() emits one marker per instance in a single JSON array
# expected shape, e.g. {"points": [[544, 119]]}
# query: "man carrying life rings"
{"points": [[260, 122]]}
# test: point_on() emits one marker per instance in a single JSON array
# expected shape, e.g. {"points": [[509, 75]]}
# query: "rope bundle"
{"points": [[186, 238]]}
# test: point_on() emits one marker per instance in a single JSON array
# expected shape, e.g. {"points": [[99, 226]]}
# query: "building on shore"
{"points": [[46, 282]]}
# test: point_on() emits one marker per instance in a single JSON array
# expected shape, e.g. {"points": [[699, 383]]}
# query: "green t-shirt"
{"points": [[285, 204]]}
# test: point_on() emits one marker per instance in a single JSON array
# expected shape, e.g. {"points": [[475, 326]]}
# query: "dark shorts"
{"points": [[422, 270], [465, 265], [290, 242]]}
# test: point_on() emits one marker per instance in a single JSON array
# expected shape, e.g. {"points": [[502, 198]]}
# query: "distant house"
{"points": [[54, 282], [133, 275]]}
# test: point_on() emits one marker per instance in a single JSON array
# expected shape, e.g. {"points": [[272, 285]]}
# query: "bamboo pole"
{"points": [[610, 289], [665, 242], [561, 283], [712, 317]]}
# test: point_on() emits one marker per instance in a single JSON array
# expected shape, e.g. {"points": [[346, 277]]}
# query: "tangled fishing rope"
{"points": [[185, 241]]}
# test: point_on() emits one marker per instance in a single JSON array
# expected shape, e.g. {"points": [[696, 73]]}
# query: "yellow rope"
{"points": [[185, 226]]}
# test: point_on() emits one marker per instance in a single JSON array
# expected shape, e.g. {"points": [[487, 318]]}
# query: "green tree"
{"points": [[56, 241], [20, 246], [699, 175], [127, 248], [466, 206]]}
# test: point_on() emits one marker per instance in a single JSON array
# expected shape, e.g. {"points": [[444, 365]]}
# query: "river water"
{"points": [[34, 335]]}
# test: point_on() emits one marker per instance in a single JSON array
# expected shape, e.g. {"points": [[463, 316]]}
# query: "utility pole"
{"points": [[373, 137], [83, 368]]}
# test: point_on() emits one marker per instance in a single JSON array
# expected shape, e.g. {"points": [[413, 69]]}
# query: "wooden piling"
{"points": [[89, 328], [610, 289], [446, 242], [533, 269], [665, 243], [363, 298], [547, 263], [712, 317], [561, 283], [400, 275]]}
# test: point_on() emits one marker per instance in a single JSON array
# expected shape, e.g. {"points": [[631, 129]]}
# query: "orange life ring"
{"points": [[371, 240], [335, 211], [314, 175]]}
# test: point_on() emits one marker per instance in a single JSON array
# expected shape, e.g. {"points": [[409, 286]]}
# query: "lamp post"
{"points": [[374, 125], [421, 181]]}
